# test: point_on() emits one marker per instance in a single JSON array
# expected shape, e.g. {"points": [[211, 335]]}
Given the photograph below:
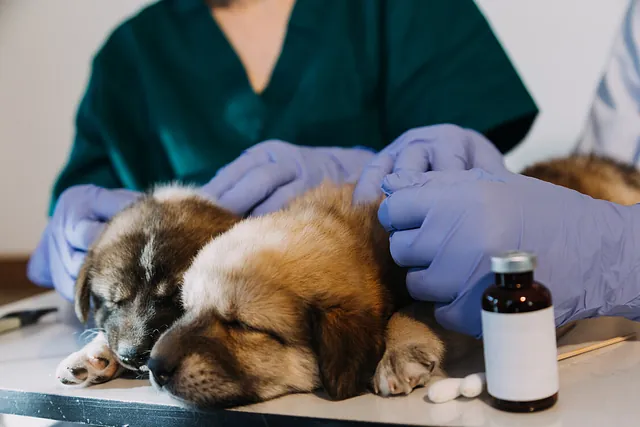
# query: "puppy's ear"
{"points": [[83, 290], [348, 344]]}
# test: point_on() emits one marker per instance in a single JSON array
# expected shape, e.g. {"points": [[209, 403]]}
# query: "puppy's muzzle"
{"points": [[161, 369]]}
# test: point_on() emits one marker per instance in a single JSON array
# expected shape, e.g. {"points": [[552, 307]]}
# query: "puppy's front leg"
{"points": [[94, 363], [416, 347]]}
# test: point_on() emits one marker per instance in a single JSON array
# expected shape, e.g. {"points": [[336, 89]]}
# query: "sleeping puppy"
{"points": [[597, 176], [309, 297], [131, 277], [304, 298]]}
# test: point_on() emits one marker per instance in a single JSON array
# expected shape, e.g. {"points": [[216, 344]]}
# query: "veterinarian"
{"points": [[268, 98]]}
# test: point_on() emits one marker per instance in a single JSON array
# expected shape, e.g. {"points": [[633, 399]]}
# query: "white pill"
{"points": [[444, 390], [472, 385]]}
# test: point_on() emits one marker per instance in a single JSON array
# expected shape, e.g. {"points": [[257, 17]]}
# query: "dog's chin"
{"points": [[199, 401], [167, 391]]}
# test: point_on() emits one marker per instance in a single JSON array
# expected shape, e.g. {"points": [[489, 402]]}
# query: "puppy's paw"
{"points": [[404, 368], [95, 363]]}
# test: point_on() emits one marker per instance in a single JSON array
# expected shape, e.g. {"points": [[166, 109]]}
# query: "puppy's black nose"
{"points": [[132, 358], [161, 370]]}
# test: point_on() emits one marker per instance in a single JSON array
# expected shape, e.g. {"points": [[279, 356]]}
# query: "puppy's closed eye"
{"points": [[236, 324]]}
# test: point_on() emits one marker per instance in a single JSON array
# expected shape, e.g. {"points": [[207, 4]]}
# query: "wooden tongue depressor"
{"points": [[472, 385], [595, 346]]}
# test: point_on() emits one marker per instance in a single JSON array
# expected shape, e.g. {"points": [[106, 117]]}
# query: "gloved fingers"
{"points": [[485, 154], [59, 264], [411, 248], [404, 210], [64, 258], [415, 157], [64, 283], [256, 186], [367, 188], [425, 291], [77, 259], [412, 195], [227, 177], [435, 147], [463, 314], [107, 203], [82, 234], [279, 198], [450, 268], [38, 266], [398, 181]]}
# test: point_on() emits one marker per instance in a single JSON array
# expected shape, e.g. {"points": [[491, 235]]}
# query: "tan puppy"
{"points": [[293, 301], [596, 176]]}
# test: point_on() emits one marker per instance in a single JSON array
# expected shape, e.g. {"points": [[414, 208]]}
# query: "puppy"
{"points": [[596, 176], [304, 298], [131, 277], [317, 302]]}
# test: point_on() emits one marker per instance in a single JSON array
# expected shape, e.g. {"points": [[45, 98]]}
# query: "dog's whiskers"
{"points": [[90, 333]]}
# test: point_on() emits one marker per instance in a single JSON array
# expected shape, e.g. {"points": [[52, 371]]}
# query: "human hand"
{"points": [[445, 226], [430, 148], [268, 175], [78, 219]]}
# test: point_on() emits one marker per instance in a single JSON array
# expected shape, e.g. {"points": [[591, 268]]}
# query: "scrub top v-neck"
{"points": [[169, 99]]}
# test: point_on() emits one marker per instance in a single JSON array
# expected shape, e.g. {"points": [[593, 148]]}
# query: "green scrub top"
{"points": [[168, 98]]}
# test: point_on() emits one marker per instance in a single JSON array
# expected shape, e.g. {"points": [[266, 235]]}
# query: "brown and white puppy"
{"points": [[309, 297], [293, 301], [131, 277]]}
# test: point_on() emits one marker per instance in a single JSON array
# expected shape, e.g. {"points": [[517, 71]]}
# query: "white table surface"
{"points": [[598, 388]]}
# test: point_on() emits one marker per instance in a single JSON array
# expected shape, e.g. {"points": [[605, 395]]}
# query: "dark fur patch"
{"points": [[348, 346]]}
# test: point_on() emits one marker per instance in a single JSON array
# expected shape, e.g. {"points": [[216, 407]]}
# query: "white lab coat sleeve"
{"points": [[613, 124]]}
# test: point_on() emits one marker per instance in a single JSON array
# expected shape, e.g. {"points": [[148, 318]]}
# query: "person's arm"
{"points": [[443, 64], [613, 124]]}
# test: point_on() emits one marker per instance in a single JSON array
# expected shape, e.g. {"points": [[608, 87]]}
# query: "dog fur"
{"points": [[596, 176]]}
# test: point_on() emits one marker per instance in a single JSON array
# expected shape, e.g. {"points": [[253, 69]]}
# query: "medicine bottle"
{"points": [[519, 337]]}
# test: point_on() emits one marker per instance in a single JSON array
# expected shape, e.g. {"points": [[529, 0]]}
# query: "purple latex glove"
{"points": [[77, 221], [266, 176], [446, 225], [430, 148]]}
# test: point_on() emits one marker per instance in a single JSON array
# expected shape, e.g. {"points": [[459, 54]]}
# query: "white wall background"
{"points": [[559, 47]]}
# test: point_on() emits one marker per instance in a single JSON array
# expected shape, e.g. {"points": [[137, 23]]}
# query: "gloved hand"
{"points": [[77, 221], [266, 176], [430, 148], [446, 225]]}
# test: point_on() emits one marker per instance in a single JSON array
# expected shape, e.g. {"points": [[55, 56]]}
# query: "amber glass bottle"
{"points": [[519, 337]]}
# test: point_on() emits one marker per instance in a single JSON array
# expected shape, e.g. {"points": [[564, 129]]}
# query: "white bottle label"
{"points": [[521, 357]]}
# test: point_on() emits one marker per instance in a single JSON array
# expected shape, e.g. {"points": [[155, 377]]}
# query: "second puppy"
{"points": [[131, 277]]}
